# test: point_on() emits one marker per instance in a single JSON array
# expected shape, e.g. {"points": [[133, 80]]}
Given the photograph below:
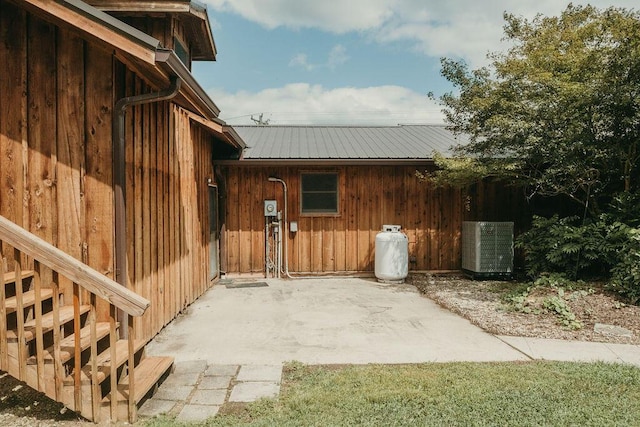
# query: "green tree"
{"points": [[558, 112]]}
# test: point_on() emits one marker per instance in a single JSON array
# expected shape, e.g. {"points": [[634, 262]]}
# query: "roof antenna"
{"points": [[259, 121]]}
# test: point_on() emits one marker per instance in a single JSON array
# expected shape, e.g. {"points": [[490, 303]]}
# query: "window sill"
{"points": [[321, 214]]}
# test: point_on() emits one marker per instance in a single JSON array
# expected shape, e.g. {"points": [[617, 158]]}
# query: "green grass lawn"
{"points": [[448, 394]]}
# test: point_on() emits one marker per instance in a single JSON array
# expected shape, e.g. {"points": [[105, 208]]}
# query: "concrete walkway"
{"points": [[574, 351], [230, 344]]}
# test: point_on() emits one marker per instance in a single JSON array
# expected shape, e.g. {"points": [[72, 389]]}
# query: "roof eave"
{"points": [[327, 162], [193, 92], [130, 43], [209, 50], [195, 12], [96, 25], [229, 130], [220, 129]]}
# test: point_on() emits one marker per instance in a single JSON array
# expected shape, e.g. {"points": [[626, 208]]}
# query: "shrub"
{"points": [[561, 245], [602, 248], [625, 275], [625, 208]]}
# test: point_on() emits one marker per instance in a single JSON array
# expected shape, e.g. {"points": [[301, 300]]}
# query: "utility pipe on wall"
{"points": [[286, 226], [286, 233], [120, 177]]}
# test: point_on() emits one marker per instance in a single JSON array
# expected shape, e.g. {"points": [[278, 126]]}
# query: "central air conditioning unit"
{"points": [[487, 249]]}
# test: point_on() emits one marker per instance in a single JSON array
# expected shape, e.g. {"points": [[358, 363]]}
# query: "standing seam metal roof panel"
{"points": [[347, 142]]}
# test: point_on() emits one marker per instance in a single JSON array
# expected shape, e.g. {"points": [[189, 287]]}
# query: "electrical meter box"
{"points": [[270, 208]]}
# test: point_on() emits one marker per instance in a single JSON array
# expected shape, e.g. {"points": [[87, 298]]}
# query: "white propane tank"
{"points": [[392, 255]]}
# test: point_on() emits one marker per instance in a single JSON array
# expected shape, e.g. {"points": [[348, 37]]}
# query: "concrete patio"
{"points": [[337, 320], [230, 345]]}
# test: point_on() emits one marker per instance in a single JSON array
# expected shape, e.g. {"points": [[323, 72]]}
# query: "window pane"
{"points": [[181, 51], [319, 182], [319, 202], [319, 193]]}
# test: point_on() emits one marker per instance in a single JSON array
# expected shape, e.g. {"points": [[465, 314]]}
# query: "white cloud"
{"points": [[336, 57], [466, 29], [300, 60], [455, 28], [302, 103], [338, 16]]}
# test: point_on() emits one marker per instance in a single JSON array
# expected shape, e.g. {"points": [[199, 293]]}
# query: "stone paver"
{"points": [[260, 373], [155, 406], [208, 397], [208, 388], [190, 366], [182, 379], [168, 392], [196, 413], [213, 383], [252, 391], [221, 370]]}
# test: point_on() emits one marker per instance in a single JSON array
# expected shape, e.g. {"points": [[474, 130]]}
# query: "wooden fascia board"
{"points": [[142, 6], [90, 27], [219, 129], [153, 75], [235, 136], [191, 90], [210, 125]]}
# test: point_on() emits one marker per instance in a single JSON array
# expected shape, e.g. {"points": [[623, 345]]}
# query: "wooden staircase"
{"points": [[61, 347]]}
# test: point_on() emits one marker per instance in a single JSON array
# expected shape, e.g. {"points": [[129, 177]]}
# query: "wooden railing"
{"points": [[68, 363]]}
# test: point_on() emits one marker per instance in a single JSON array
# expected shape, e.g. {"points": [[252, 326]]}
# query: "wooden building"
{"points": [[343, 184], [107, 203]]}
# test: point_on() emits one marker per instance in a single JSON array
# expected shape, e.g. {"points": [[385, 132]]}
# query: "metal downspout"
{"points": [[120, 179]]}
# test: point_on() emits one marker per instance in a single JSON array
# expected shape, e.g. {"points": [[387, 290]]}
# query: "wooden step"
{"points": [[10, 277], [28, 299], [67, 345], [146, 375], [104, 361], [66, 316]]}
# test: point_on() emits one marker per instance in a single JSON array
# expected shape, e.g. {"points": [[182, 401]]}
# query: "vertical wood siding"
{"points": [[369, 197], [56, 166]]}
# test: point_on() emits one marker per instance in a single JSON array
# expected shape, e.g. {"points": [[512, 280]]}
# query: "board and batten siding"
{"points": [[369, 197], [57, 93]]}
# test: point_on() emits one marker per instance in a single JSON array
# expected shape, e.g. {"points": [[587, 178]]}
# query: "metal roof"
{"points": [[343, 143]]}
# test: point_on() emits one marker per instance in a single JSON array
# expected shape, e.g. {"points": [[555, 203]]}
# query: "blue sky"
{"points": [[357, 62]]}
